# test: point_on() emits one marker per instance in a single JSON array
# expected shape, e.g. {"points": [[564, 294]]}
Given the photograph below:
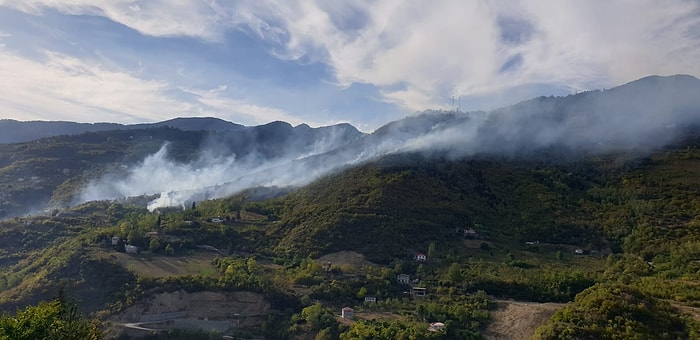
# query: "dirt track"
{"points": [[518, 320]]}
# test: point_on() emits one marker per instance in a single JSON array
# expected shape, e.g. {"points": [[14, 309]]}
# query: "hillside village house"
{"points": [[436, 326], [421, 257], [131, 249], [370, 299], [419, 291], [403, 279], [115, 240], [346, 313]]}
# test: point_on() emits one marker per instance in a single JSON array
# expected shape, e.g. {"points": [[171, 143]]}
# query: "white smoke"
{"points": [[636, 117]]}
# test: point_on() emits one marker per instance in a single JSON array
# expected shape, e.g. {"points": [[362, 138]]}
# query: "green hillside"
{"points": [[634, 218]]}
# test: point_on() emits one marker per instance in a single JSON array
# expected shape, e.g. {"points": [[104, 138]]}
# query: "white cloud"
{"points": [[69, 88], [62, 87], [449, 47], [200, 19], [420, 53], [216, 103]]}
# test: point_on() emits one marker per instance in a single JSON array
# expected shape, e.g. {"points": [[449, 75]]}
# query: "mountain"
{"points": [[51, 172], [12, 131], [585, 198], [226, 158]]}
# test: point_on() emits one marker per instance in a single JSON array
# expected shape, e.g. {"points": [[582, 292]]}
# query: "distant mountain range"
{"points": [[13, 131], [210, 157]]}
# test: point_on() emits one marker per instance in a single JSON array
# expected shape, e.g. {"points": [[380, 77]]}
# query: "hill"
{"points": [[544, 201], [51, 173]]}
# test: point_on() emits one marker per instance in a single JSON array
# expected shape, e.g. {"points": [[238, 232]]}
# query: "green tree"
{"points": [[431, 250], [154, 245], [57, 319], [362, 293]]}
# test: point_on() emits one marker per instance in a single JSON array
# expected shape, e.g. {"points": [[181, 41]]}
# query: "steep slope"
{"points": [[396, 206], [51, 172]]}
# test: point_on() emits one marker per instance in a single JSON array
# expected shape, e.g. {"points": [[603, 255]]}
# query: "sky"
{"points": [[319, 62]]}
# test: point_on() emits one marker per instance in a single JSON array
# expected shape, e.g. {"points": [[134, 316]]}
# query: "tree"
{"points": [[57, 319], [362, 293], [431, 250], [154, 245]]}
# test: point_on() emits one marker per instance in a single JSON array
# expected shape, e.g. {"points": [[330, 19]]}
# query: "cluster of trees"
{"points": [[616, 311], [56, 319]]}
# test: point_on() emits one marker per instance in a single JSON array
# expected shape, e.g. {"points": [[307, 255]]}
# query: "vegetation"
{"points": [[615, 311], [56, 319], [618, 236]]}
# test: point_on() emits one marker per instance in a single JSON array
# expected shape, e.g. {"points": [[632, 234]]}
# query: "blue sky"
{"points": [[366, 62]]}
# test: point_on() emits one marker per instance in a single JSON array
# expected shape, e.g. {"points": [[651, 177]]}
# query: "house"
{"points": [[115, 240], [131, 249], [419, 291], [467, 232], [421, 257], [532, 243], [436, 326], [327, 266], [578, 251], [217, 220], [370, 299], [403, 279], [346, 313], [151, 234]]}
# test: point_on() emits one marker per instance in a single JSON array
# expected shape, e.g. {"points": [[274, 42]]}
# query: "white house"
{"points": [[115, 240], [436, 326], [421, 257], [346, 313], [370, 299], [131, 249], [217, 220], [403, 279], [578, 251], [419, 291]]}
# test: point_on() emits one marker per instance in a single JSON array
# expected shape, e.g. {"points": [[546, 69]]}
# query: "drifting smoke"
{"points": [[639, 116]]}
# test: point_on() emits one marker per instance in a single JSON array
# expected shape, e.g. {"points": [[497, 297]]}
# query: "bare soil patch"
{"points": [[346, 258], [515, 320], [153, 265]]}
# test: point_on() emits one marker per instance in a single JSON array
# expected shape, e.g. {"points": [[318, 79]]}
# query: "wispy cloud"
{"points": [[68, 88], [418, 54]]}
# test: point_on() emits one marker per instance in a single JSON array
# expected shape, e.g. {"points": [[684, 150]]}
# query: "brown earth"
{"points": [[346, 258], [221, 311], [515, 320]]}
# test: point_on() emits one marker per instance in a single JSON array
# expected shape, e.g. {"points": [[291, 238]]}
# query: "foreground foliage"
{"points": [[615, 311], [56, 319]]}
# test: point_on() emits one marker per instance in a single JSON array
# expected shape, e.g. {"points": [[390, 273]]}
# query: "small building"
{"points": [[115, 240], [151, 234], [578, 251], [346, 313], [327, 266], [403, 279], [370, 299], [436, 326], [131, 249], [217, 220], [421, 257], [419, 291]]}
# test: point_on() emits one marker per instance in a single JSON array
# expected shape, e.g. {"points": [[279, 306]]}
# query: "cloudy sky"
{"points": [[321, 62]]}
